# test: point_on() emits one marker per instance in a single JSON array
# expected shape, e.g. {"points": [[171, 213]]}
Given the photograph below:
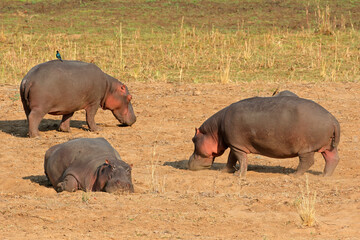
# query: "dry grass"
{"points": [[306, 205], [197, 55]]}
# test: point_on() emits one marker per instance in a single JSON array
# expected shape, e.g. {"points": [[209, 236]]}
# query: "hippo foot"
{"points": [[64, 129], [60, 187], [326, 174], [228, 169], [95, 129], [35, 136], [240, 174]]}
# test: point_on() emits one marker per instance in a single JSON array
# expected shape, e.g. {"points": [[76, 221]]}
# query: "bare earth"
{"points": [[171, 202]]}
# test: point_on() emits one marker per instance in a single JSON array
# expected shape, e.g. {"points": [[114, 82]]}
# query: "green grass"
{"points": [[186, 41]]}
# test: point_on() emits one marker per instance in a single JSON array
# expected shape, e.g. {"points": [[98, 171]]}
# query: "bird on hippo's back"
{"points": [[58, 56]]}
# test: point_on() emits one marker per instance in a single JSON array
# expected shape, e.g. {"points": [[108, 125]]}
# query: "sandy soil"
{"points": [[171, 202]]}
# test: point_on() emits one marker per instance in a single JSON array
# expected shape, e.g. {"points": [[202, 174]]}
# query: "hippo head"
{"points": [[119, 102], [114, 178], [205, 151]]}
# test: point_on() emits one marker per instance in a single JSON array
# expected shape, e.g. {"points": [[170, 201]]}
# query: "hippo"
{"points": [[277, 127], [88, 164], [61, 88]]}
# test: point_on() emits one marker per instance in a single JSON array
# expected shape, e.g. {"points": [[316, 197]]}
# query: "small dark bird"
{"points": [[58, 56], [275, 92]]}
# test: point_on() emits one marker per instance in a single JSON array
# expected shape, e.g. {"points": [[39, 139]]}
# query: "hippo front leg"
{"points": [[65, 122], [69, 184], [237, 156], [90, 117]]}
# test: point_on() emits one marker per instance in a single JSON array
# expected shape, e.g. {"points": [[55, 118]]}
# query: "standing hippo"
{"points": [[89, 164], [61, 88], [277, 127]]}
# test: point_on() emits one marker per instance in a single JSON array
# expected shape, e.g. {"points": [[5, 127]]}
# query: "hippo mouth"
{"points": [[123, 121], [119, 188], [198, 163]]}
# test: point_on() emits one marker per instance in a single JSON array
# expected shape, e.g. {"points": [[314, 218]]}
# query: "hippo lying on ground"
{"points": [[278, 127], [61, 88], [89, 164]]}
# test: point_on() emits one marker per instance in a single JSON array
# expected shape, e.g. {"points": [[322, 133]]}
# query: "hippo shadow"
{"points": [[19, 128], [182, 164], [42, 180]]}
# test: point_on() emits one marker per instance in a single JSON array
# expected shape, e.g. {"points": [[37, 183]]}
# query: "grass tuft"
{"points": [[306, 205]]}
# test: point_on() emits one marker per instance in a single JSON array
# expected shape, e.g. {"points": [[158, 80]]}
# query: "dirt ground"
{"points": [[171, 202]]}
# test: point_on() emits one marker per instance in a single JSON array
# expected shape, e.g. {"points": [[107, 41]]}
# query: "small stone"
{"points": [[196, 93]]}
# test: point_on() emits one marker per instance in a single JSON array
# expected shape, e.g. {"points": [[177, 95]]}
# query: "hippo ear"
{"points": [[122, 88], [196, 131], [129, 97], [107, 162]]}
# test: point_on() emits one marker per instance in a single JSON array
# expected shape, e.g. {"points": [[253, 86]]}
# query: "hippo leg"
{"points": [[69, 184], [231, 163], [241, 157], [65, 122], [331, 161], [306, 160], [35, 118], [90, 117]]}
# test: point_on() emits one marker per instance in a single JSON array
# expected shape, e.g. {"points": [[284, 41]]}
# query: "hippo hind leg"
{"points": [[69, 184], [306, 160], [65, 122], [331, 161], [35, 117]]}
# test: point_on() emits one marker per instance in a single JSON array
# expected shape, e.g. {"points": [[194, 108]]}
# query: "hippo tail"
{"points": [[24, 94], [336, 135]]}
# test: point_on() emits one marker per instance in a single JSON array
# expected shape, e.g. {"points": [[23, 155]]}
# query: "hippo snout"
{"points": [[125, 117], [130, 121], [196, 162], [119, 186]]}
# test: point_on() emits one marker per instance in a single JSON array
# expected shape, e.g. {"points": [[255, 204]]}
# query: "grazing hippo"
{"points": [[277, 127], [89, 164], [61, 88]]}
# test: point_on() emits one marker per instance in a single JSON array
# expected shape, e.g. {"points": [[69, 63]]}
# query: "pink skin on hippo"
{"points": [[61, 88], [279, 127], [88, 164]]}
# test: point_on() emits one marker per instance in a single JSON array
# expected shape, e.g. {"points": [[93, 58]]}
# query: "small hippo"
{"points": [[277, 127], [61, 88], [88, 164]]}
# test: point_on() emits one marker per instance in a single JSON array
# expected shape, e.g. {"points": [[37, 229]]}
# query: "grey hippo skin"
{"points": [[88, 164], [278, 127], [61, 88]]}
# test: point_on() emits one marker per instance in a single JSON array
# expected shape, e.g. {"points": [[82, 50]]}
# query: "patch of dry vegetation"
{"points": [[324, 51], [306, 205]]}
